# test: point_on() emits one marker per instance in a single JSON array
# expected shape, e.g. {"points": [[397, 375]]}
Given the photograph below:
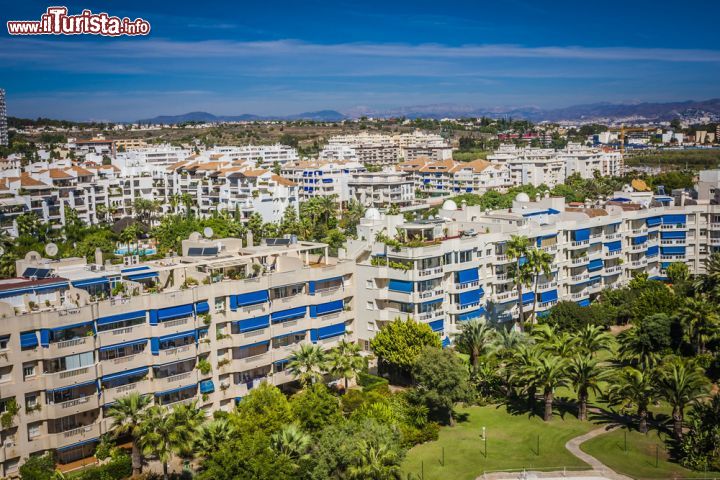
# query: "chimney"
{"points": [[249, 239], [98, 257]]}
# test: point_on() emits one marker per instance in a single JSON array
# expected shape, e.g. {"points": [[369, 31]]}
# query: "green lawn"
{"points": [[512, 444], [639, 461]]}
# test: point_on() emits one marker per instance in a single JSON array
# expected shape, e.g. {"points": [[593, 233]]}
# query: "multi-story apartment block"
{"points": [[450, 177], [265, 156], [587, 161], [379, 149], [3, 119], [322, 178], [455, 267], [531, 166], [382, 189], [129, 144], [76, 337]]}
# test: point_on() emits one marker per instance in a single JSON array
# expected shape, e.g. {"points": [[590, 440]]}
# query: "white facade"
{"points": [[382, 189], [323, 178], [380, 149]]}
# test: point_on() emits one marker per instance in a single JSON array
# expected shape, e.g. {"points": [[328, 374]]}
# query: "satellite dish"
{"points": [[208, 232], [51, 249]]}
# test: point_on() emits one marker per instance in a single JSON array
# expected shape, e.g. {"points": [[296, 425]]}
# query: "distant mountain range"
{"points": [[205, 117], [589, 112]]}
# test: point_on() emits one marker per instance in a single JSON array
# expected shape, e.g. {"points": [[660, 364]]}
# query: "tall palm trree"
{"points": [[307, 363], [548, 373], [520, 271], [128, 416], [680, 383]]}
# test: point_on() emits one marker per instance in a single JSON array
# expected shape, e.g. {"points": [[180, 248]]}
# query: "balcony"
{"points": [[613, 236], [177, 354], [613, 270], [71, 407], [613, 254], [127, 362], [249, 363], [430, 272], [714, 226], [175, 381], [76, 435], [579, 278], [639, 263], [122, 335], [579, 244], [679, 226], [505, 296], [580, 260], [70, 377], [639, 231], [546, 305], [461, 287], [579, 295], [71, 347], [639, 247], [673, 242], [546, 286], [112, 394]]}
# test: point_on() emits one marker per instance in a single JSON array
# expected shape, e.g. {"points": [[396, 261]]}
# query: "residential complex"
{"points": [[379, 149], [220, 318], [3, 119], [323, 178], [382, 189], [445, 177]]}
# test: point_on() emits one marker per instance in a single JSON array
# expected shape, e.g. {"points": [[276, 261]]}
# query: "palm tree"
{"points": [[128, 414], [699, 320], [307, 363], [540, 263], [507, 341], [636, 350], [212, 436], [710, 281], [548, 373], [164, 433], [474, 339], [345, 361], [187, 201], [681, 382], [637, 387], [291, 441], [520, 272], [525, 356], [374, 461], [174, 202], [585, 374], [593, 338]]}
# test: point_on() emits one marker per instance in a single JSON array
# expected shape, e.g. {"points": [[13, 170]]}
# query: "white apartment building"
{"points": [[382, 189], [323, 178], [338, 153], [265, 156], [585, 161], [447, 177], [69, 348], [531, 166], [380, 149]]}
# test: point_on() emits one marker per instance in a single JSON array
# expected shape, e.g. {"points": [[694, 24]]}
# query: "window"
{"points": [[31, 400], [219, 304], [33, 430], [28, 370], [371, 305], [369, 284], [4, 340]]}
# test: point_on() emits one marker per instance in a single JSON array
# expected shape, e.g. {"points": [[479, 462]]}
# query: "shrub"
{"points": [[372, 382]]}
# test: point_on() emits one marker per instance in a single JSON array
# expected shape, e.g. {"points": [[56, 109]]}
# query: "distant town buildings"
{"points": [[378, 150]]}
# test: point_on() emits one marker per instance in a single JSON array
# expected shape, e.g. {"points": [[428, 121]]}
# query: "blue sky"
{"points": [[276, 57]]}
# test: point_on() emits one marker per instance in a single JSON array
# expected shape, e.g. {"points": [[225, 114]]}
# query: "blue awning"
{"points": [[464, 317], [639, 240], [672, 250], [202, 307], [256, 344], [433, 302], [124, 344], [469, 298], [121, 317], [70, 327], [528, 297], [595, 265], [174, 390], [251, 324], [68, 387], [437, 325], [468, 276], [614, 246], [142, 276], [679, 219], [446, 342], [673, 235], [127, 373], [581, 235], [653, 221], [584, 303], [79, 444], [400, 286], [28, 340], [90, 282], [652, 251], [207, 386], [252, 298], [134, 269], [299, 332], [327, 332], [326, 308], [549, 296], [171, 313], [177, 336], [285, 315]]}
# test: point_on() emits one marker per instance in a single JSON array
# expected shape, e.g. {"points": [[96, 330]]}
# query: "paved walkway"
{"points": [[598, 471]]}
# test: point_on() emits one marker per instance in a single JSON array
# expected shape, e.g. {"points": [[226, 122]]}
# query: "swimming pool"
{"points": [[141, 251]]}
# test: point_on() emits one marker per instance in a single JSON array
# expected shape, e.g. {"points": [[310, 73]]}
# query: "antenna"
{"points": [[51, 249]]}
